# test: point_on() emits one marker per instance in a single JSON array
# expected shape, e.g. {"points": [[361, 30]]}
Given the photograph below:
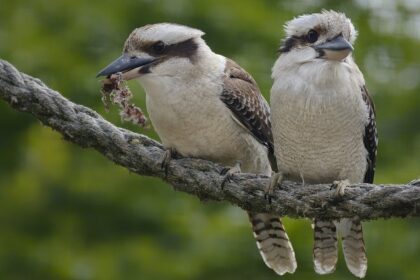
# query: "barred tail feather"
{"points": [[273, 243], [325, 246], [353, 246]]}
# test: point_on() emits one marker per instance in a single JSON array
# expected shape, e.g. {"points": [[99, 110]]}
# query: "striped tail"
{"points": [[273, 243], [325, 246], [353, 246]]}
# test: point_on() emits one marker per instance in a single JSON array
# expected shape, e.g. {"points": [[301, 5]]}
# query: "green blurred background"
{"points": [[68, 213]]}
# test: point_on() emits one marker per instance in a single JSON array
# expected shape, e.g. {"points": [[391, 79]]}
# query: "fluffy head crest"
{"points": [[331, 22], [168, 33]]}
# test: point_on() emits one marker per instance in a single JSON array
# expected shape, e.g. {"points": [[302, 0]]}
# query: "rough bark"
{"points": [[201, 178]]}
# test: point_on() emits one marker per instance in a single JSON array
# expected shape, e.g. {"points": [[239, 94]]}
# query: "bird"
{"points": [[323, 125], [204, 105]]}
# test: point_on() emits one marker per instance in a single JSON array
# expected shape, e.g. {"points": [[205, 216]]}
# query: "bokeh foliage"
{"points": [[68, 213]]}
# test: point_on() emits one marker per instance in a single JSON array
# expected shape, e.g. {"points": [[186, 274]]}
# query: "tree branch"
{"points": [[201, 178]]}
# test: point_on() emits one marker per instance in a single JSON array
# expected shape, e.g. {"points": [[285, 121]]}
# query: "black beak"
{"points": [[336, 44], [335, 49], [124, 63]]}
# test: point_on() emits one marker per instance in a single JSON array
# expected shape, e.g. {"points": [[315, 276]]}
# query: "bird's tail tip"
{"points": [[273, 243], [351, 232], [325, 251]]}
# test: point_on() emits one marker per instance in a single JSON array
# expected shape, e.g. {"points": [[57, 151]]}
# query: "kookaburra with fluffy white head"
{"points": [[323, 124], [204, 105]]}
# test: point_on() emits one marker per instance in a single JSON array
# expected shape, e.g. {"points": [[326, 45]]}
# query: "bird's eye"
{"points": [[159, 47], [312, 36]]}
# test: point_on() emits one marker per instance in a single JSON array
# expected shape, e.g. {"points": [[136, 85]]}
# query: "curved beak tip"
{"points": [[124, 63], [101, 74]]}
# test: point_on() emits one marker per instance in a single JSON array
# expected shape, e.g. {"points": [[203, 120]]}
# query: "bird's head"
{"points": [[325, 36], [158, 50]]}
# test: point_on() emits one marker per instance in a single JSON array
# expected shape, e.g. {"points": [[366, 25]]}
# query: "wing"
{"points": [[249, 108], [370, 138]]}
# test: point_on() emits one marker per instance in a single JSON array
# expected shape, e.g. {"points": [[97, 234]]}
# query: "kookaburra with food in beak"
{"points": [[323, 123], [204, 105]]}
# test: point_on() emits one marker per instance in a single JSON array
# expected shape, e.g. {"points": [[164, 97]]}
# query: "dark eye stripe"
{"points": [[158, 47], [186, 48], [291, 42], [288, 44]]}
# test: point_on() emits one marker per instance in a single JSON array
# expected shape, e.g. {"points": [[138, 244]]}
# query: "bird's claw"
{"points": [[268, 195], [229, 172], [166, 159], [224, 171], [276, 179], [415, 182], [340, 187]]}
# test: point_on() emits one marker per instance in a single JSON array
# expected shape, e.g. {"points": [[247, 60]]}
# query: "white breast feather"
{"points": [[189, 116], [318, 122]]}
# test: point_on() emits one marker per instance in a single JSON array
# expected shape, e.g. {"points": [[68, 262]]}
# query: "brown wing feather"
{"points": [[243, 97], [370, 138]]}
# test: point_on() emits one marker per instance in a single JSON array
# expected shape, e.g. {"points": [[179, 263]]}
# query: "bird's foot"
{"points": [[166, 159], [229, 172], [415, 182], [340, 187], [276, 179]]}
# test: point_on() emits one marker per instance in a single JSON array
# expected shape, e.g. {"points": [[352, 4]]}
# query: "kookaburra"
{"points": [[205, 105], [323, 124]]}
